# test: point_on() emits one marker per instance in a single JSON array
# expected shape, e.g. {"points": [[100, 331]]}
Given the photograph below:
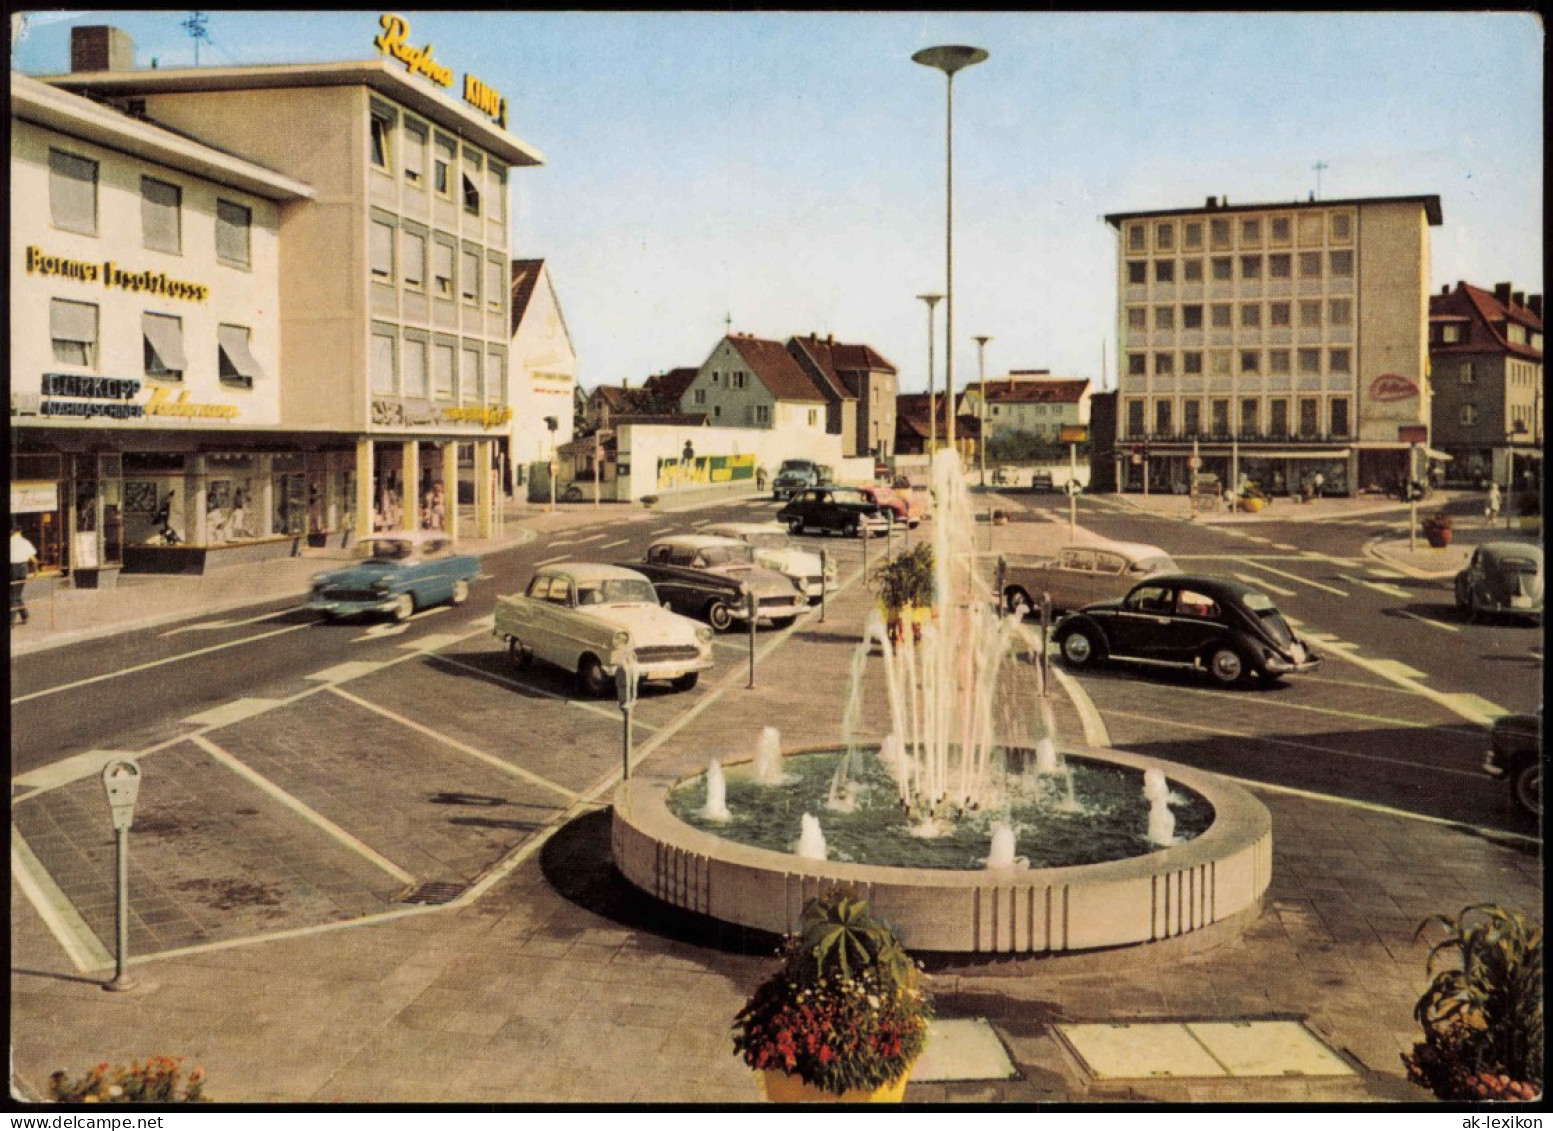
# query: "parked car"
{"points": [[1502, 577], [1227, 628], [775, 550], [702, 576], [834, 510], [905, 510], [1080, 574], [584, 617], [796, 474], [403, 571], [1042, 481], [1515, 756]]}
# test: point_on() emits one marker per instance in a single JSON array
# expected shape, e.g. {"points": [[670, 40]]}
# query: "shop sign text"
{"points": [[1392, 387], [97, 396], [159, 405], [34, 497], [401, 414], [486, 416], [395, 41], [112, 275]]}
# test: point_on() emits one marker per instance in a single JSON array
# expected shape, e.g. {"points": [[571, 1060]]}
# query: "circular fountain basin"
{"points": [[1219, 874]]}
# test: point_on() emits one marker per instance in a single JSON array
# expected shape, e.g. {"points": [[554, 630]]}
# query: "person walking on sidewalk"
{"points": [[24, 559], [1491, 511]]}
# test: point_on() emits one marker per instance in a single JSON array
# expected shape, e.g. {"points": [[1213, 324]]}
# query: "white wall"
{"points": [[643, 445], [541, 375]]}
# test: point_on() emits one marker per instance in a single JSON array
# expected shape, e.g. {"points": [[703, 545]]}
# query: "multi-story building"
{"points": [[859, 384], [1276, 341], [145, 337], [1485, 354], [750, 382], [1027, 400], [543, 369], [393, 280]]}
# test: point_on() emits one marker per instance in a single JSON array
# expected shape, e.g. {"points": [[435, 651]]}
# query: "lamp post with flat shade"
{"points": [[981, 400], [949, 60], [932, 405]]}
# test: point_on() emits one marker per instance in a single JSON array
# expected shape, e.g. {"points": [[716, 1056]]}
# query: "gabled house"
{"points": [[1028, 400], [665, 389], [607, 402], [752, 382], [543, 369], [1485, 359], [914, 429], [859, 385]]}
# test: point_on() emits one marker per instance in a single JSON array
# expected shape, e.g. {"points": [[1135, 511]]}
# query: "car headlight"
{"points": [[704, 634], [620, 640]]}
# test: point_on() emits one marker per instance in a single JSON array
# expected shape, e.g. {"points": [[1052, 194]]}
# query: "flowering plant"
{"points": [[846, 1010], [155, 1081]]}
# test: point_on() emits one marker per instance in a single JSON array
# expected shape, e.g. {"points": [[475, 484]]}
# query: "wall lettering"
{"points": [[159, 405], [395, 41]]}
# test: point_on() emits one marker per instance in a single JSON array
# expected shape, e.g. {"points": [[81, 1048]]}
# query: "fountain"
{"points": [[969, 753], [716, 794]]}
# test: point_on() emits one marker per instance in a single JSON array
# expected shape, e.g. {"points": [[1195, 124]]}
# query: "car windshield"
{"points": [[847, 496], [793, 465], [713, 556], [1161, 564], [1268, 615], [391, 550], [617, 591]]}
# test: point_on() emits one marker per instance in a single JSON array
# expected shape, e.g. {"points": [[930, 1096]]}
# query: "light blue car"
{"points": [[404, 571]]}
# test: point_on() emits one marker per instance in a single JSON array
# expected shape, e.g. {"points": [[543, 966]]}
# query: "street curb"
{"points": [[1373, 549]]}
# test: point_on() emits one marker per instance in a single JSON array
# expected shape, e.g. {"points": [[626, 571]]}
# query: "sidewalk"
{"points": [[560, 984]]}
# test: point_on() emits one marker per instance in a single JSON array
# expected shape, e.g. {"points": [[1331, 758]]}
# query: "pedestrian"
{"points": [[164, 521], [760, 478], [24, 559], [1491, 511], [1318, 483], [237, 520], [437, 509]]}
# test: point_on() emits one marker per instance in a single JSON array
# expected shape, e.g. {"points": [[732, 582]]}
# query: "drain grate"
{"points": [[433, 893]]}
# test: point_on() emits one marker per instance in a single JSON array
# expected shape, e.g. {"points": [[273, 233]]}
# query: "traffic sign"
{"points": [[1195, 463], [1073, 487], [1413, 433]]}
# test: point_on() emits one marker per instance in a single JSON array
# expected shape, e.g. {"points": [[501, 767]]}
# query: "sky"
{"points": [[787, 170]]}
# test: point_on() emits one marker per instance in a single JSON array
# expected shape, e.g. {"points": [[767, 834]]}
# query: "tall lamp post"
{"points": [[949, 60], [981, 401], [932, 405]]}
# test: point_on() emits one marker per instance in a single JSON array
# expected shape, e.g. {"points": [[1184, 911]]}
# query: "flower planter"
{"points": [[782, 1088], [1251, 506], [1438, 538]]}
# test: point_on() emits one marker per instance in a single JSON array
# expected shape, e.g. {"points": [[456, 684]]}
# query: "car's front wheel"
{"points": [[795, 526], [404, 607], [1080, 649], [1226, 666], [719, 616], [1526, 786], [460, 592], [591, 680], [517, 655], [685, 682]]}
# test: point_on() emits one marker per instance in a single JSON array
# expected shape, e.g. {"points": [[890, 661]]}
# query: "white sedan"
{"points": [[775, 550], [588, 618]]}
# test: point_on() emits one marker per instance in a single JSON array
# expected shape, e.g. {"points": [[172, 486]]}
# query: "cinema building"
{"points": [[275, 296]]}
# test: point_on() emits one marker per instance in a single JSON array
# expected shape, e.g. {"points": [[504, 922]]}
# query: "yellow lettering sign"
{"points": [[159, 405], [485, 100], [395, 41], [112, 275], [41, 264], [487, 416]]}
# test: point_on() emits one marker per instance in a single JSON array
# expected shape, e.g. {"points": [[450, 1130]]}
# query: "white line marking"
{"points": [[1426, 620], [1378, 586], [1399, 670], [59, 915], [660, 530], [149, 664], [1257, 581], [589, 538], [552, 561], [67, 770], [211, 626], [306, 812], [1388, 670], [597, 708], [1095, 733], [611, 545], [1388, 574], [1294, 577], [1284, 546], [489, 759]]}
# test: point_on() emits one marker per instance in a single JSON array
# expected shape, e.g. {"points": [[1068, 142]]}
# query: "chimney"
{"points": [[1445, 290], [101, 48], [1502, 293], [1534, 304], [1213, 202], [1518, 298]]}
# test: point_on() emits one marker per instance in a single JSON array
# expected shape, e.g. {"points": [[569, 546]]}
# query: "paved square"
{"points": [[963, 1050]]}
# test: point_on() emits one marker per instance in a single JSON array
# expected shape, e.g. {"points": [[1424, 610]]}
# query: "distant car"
{"points": [[775, 550], [796, 474], [834, 510], [1231, 630], [907, 512], [1081, 574], [584, 617], [706, 577], [1041, 481], [403, 572], [1502, 577], [1515, 756]]}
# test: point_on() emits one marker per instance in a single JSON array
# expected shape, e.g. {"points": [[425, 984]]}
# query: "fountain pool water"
{"points": [[716, 807], [926, 821]]}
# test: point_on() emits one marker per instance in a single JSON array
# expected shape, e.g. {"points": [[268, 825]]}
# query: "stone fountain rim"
{"points": [[1240, 820]]}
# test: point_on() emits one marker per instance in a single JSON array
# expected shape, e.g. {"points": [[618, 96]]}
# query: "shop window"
{"points": [[414, 153], [73, 328], [234, 228], [414, 368], [469, 280], [235, 361], [412, 254], [1338, 408], [442, 256], [443, 359], [163, 338], [384, 363], [160, 215], [72, 192], [442, 165], [382, 250], [381, 133]]}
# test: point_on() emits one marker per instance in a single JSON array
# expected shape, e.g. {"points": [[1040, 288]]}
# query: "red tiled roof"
{"points": [[776, 369], [669, 387], [1483, 309], [821, 357], [688, 418], [525, 277], [1034, 392]]}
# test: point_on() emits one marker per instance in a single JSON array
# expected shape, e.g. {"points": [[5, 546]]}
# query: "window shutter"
{"points": [[382, 363], [442, 267], [232, 229], [159, 215], [414, 368], [72, 321], [443, 362], [412, 250], [165, 333], [233, 341], [73, 192], [382, 249]]}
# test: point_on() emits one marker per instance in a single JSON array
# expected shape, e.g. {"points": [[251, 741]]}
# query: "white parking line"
{"points": [[1295, 577], [1260, 583], [1378, 586], [612, 545], [306, 812], [1284, 546], [213, 625], [552, 561], [660, 530], [1397, 673], [85, 949], [1426, 620]]}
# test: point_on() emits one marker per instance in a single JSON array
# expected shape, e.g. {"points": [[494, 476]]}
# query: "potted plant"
{"points": [[649, 501], [1482, 1014], [905, 581], [1437, 529], [846, 1016]]}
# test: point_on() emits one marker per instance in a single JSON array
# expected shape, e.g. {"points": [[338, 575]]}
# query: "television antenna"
{"points": [[1318, 166], [195, 26]]}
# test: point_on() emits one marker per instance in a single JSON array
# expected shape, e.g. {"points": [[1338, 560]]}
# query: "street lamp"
{"points": [[981, 401], [949, 60], [932, 405]]}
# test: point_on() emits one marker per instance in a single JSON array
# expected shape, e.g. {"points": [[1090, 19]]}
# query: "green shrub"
{"points": [[1482, 1014]]}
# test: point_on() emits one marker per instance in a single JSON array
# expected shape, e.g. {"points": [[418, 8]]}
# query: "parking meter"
{"points": [[626, 681], [750, 608], [121, 782]]}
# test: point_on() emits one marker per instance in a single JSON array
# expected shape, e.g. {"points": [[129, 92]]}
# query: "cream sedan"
{"points": [[586, 618], [1081, 574], [775, 550]]}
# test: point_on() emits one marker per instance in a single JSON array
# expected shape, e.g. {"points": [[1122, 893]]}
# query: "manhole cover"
{"points": [[963, 1050], [1201, 1050], [433, 893]]}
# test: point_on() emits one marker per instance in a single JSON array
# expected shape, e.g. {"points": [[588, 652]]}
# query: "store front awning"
{"points": [[1308, 453], [1397, 446]]}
